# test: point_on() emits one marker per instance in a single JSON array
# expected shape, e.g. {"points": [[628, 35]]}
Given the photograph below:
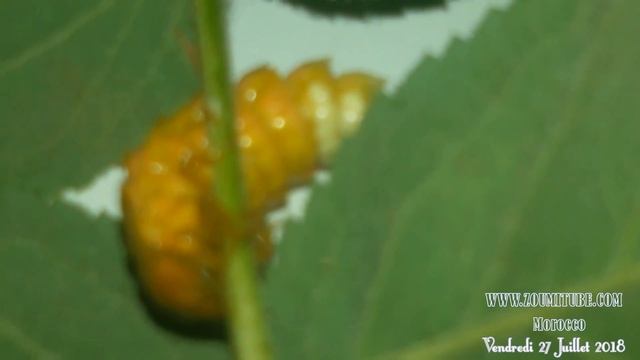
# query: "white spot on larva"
{"points": [[157, 168], [245, 141], [278, 122], [250, 95]]}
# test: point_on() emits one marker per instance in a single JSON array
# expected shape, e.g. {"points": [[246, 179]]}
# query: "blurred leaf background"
{"points": [[507, 165]]}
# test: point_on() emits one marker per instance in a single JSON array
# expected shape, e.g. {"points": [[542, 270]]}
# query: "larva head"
{"points": [[175, 228], [314, 94], [354, 93], [168, 219]]}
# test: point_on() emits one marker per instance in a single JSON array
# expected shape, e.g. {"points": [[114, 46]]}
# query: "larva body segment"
{"points": [[354, 93], [314, 91], [292, 135], [264, 170], [174, 226]]}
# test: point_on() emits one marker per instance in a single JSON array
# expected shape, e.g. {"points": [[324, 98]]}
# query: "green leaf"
{"points": [[80, 84], [67, 292], [363, 8], [508, 165]]}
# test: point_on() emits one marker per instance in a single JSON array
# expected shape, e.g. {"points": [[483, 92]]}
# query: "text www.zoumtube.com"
{"points": [[553, 299]]}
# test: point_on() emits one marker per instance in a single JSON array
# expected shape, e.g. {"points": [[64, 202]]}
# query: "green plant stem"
{"points": [[218, 99], [245, 318]]}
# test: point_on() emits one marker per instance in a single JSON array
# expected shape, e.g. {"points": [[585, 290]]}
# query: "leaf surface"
{"points": [[510, 165], [82, 82]]}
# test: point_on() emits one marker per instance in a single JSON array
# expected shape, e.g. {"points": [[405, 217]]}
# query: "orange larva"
{"points": [[174, 227]]}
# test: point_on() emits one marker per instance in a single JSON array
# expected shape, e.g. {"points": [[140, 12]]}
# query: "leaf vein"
{"points": [[23, 341], [55, 39]]}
